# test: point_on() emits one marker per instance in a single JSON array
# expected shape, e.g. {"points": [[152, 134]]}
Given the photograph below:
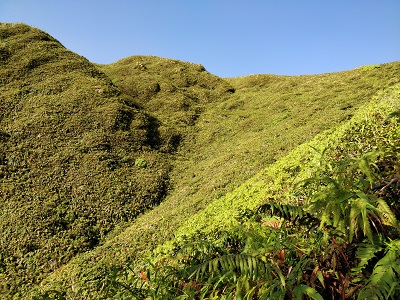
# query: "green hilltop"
{"points": [[107, 165], [78, 156]]}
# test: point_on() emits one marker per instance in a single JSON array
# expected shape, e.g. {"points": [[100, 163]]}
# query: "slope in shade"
{"points": [[76, 156], [174, 92]]}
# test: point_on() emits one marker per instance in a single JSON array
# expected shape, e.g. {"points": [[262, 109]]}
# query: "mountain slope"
{"points": [[70, 147], [236, 135], [231, 140], [331, 206], [274, 182], [78, 158], [85, 154], [173, 92], [372, 128]]}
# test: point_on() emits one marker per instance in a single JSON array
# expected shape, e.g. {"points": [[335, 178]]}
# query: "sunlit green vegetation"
{"points": [[320, 223], [108, 169]]}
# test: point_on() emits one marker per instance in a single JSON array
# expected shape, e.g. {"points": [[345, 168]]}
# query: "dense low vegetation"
{"points": [[87, 149], [323, 223], [77, 156]]}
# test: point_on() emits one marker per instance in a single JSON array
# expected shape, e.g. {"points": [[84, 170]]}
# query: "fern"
{"points": [[365, 253], [295, 214], [242, 264], [384, 283], [387, 216], [361, 209]]}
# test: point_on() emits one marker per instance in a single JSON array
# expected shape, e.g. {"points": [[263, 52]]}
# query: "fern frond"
{"points": [[361, 209], [365, 253], [386, 214], [384, 283], [364, 165], [288, 212], [240, 264]]}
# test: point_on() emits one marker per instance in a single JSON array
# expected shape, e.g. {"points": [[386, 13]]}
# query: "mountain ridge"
{"points": [[137, 147]]}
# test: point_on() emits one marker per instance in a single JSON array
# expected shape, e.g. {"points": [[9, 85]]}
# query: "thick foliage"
{"points": [[162, 86], [79, 158], [308, 253], [203, 173], [337, 239], [69, 143]]}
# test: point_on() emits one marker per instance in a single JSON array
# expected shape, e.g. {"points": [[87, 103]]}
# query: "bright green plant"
{"points": [[320, 249], [75, 202], [344, 198], [384, 282], [141, 163]]}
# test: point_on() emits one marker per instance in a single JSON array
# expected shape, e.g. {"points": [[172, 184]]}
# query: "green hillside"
{"points": [[77, 156], [320, 223], [101, 164], [202, 172]]}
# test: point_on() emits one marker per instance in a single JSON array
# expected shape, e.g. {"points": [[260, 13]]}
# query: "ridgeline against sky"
{"points": [[102, 163], [230, 38]]}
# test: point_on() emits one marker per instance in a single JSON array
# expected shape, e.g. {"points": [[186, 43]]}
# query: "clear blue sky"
{"points": [[229, 37]]}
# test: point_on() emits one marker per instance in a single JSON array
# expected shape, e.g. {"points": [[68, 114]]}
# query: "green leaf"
{"points": [[363, 164], [363, 206], [365, 252], [300, 290], [384, 283], [386, 214], [321, 278]]}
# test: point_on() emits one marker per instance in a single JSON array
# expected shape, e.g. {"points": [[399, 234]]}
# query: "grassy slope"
{"points": [[69, 142], [236, 136], [77, 158], [369, 130], [374, 127], [174, 92], [231, 140]]}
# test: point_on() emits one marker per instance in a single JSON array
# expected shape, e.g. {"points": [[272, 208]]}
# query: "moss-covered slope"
{"points": [[76, 156], [233, 138], [174, 92], [84, 154]]}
